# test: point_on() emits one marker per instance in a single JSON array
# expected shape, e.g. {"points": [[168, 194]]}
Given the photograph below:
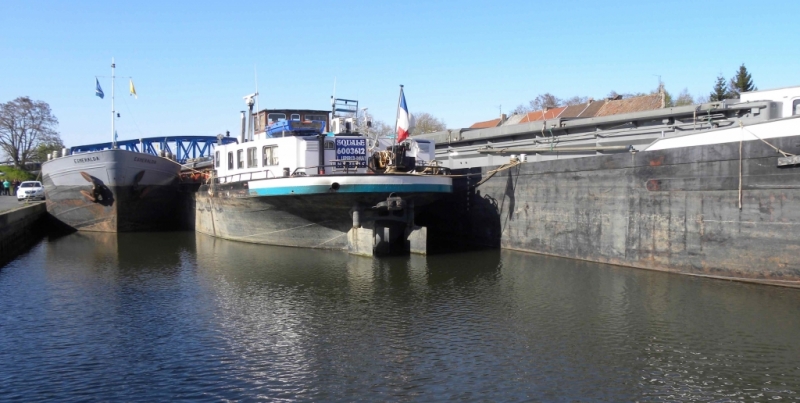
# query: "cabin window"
{"points": [[230, 160], [269, 155], [216, 159], [796, 107], [276, 117], [316, 117], [239, 159], [329, 145], [252, 161], [295, 116]]}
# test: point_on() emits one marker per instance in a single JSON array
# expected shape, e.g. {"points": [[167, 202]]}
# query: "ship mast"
{"points": [[113, 112]]}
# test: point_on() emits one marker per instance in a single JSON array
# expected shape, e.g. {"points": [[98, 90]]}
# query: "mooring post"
{"points": [[356, 216]]}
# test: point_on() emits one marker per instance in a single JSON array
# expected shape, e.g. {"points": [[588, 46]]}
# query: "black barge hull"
{"points": [[675, 210], [319, 221]]}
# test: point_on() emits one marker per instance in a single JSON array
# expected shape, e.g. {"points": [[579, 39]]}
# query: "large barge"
{"points": [[708, 190], [294, 184], [112, 190]]}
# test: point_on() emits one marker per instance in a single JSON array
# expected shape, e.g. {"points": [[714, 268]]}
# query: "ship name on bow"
{"points": [[85, 160], [145, 160]]}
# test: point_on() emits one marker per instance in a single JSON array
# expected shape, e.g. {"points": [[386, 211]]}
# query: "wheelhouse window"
{"points": [[276, 117], [269, 155], [230, 160], [216, 159], [316, 117], [295, 116], [239, 159], [252, 161], [796, 107]]}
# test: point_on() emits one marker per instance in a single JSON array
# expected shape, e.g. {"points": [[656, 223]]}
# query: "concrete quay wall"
{"points": [[20, 228], [672, 210]]}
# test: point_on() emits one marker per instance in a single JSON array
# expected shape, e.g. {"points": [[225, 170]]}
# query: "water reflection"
{"points": [[185, 316]]}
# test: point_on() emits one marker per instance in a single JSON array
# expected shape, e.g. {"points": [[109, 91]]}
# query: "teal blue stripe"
{"points": [[319, 189]]}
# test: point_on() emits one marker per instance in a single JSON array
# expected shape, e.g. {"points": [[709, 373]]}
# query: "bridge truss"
{"points": [[185, 147]]}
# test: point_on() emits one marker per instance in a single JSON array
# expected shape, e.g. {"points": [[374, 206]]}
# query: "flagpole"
{"points": [[397, 115], [113, 137]]}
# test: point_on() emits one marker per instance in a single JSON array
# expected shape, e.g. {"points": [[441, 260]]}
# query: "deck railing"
{"points": [[349, 167]]}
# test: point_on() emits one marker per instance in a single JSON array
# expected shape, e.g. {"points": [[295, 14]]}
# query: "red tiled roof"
{"points": [[540, 115], [628, 105], [486, 124], [584, 110]]}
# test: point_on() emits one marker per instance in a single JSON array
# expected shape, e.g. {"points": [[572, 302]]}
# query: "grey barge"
{"points": [[112, 191], [707, 190]]}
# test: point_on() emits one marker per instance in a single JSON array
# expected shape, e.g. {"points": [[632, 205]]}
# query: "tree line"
{"points": [[741, 81]]}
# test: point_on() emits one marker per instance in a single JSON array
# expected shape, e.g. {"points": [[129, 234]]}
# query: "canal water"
{"points": [[183, 316]]}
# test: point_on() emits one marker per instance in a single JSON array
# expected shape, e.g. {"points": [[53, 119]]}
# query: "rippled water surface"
{"points": [[180, 316]]}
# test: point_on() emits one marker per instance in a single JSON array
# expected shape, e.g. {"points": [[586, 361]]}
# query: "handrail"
{"points": [[349, 165]]}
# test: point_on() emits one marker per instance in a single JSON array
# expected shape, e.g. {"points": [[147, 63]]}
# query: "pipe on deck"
{"points": [[518, 150]]}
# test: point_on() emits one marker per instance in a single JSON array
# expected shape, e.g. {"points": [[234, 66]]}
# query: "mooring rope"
{"points": [[491, 173], [740, 174], [785, 154]]}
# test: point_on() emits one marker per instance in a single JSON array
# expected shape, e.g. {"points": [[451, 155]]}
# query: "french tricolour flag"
{"points": [[403, 118]]}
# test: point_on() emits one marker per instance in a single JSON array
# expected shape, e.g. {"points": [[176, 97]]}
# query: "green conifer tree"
{"points": [[720, 91], [741, 82]]}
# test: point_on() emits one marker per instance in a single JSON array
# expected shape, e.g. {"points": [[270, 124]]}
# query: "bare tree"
{"points": [[546, 100], [684, 98], [427, 123], [576, 100], [376, 127], [520, 109], [24, 126]]}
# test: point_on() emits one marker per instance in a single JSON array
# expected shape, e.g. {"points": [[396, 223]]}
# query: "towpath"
{"points": [[10, 203]]}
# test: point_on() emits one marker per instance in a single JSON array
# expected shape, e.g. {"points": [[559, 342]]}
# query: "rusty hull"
{"points": [[127, 210]]}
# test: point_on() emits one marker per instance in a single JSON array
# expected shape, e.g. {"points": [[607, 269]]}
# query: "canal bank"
{"points": [[21, 226]]}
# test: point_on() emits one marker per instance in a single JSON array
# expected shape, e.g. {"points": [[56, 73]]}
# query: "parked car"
{"points": [[30, 190]]}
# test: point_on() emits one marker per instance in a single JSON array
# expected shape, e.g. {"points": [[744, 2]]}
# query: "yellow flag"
{"points": [[133, 90]]}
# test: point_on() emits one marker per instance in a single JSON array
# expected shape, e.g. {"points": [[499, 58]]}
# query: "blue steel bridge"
{"points": [[185, 147]]}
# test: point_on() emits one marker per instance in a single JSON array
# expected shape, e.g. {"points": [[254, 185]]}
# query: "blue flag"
{"points": [[98, 91]]}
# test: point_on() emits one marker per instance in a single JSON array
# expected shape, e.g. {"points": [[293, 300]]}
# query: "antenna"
{"points": [[255, 69], [113, 113]]}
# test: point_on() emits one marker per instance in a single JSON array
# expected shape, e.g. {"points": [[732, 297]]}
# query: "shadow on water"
{"points": [[465, 219], [126, 254]]}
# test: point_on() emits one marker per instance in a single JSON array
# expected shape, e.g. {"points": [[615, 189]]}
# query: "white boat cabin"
{"points": [[267, 157]]}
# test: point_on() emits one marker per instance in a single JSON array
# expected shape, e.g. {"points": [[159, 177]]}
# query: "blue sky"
{"points": [[192, 62]]}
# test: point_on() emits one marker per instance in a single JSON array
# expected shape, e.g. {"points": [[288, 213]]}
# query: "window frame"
{"points": [[230, 160], [216, 159], [252, 161], [270, 158], [240, 159], [270, 120], [313, 116], [796, 107]]}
